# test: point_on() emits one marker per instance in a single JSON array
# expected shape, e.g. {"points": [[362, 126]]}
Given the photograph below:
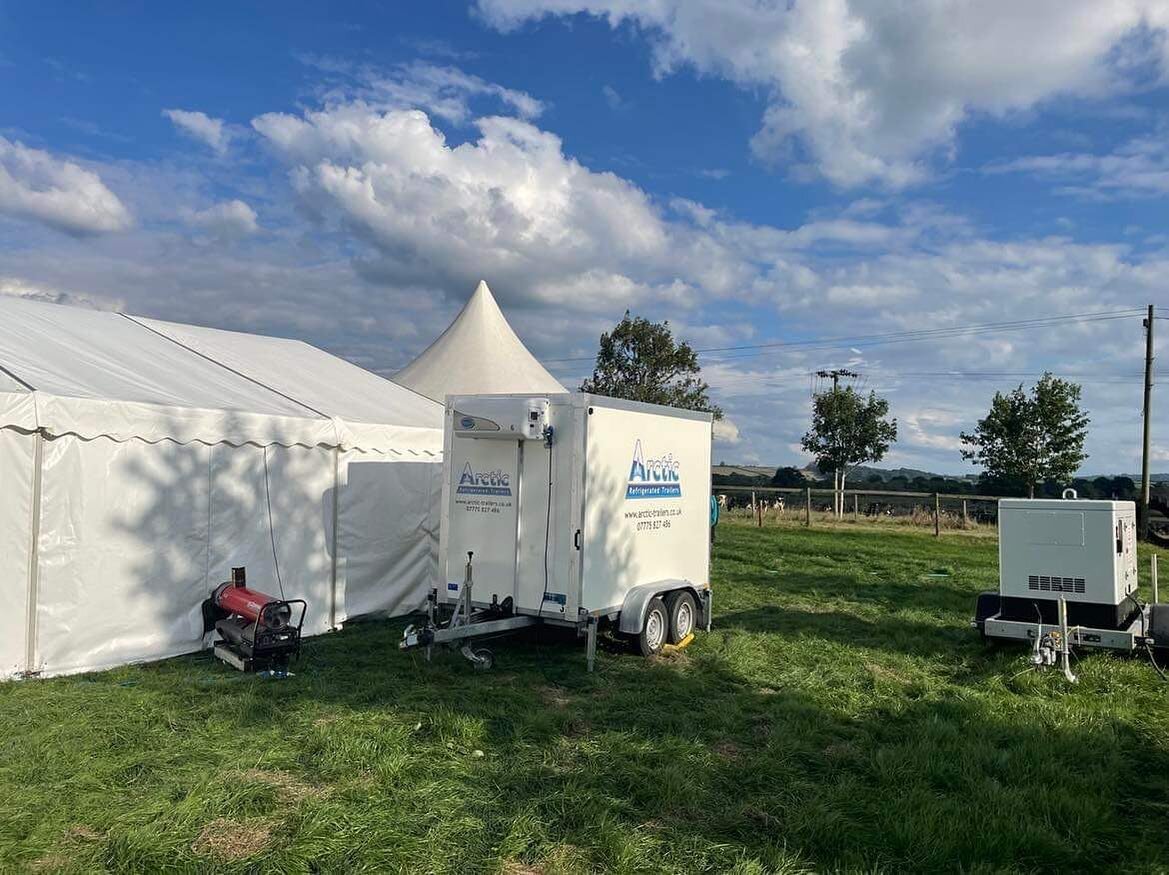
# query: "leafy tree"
{"points": [[1027, 439], [1122, 489], [848, 430], [789, 477], [639, 360]]}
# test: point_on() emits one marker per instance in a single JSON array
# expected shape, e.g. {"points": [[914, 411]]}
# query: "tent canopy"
{"points": [[111, 374], [479, 353]]}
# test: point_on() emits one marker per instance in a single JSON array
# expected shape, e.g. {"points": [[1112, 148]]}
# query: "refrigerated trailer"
{"points": [[573, 510]]}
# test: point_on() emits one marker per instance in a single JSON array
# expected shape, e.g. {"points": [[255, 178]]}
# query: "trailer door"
{"points": [[483, 516]]}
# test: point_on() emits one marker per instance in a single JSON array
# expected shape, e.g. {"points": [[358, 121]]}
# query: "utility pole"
{"points": [[835, 375], [1144, 516]]}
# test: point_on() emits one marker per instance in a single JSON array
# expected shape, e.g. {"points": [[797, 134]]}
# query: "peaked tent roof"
{"points": [[99, 372], [479, 353]]}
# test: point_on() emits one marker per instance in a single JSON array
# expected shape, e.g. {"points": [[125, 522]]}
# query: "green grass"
{"points": [[842, 715]]}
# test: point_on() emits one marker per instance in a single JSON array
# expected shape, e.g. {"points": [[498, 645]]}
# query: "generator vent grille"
{"points": [[1045, 583]]}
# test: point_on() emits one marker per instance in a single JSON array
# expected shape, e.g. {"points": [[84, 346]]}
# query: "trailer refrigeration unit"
{"points": [[1068, 577], [573, 510]]}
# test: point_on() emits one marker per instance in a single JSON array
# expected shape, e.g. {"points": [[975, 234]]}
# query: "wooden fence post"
{"points": [[937, 516], [807, 506], [759, 514], [965, 518], [856, 508]]}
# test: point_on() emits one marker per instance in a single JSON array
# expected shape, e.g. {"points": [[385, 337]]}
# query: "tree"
{"points": [[789, 477], [1027, 439], [848, 430], [639, 360]]}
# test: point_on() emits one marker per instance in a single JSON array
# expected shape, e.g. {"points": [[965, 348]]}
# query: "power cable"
{"points": [[547, 519], [271, 528], [908, 336]]}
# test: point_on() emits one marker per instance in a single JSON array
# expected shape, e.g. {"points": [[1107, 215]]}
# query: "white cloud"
{"points": [[57, 192], [211, 131], [613, 98], [443, 91], [509, 205], [1138, 168], [18, 288], [726, 433], [228, 219], [868, 90]]}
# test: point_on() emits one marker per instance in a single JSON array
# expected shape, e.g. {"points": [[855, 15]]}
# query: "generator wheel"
{"points": [[655, 629], [683, 612], [484, 659]]}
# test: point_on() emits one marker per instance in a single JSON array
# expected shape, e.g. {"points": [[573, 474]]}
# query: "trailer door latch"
{"points": [[576, 539]]}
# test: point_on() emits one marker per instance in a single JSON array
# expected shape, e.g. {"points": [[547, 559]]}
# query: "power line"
{"points": [[908, 336], [932, 334], [795, 378]]}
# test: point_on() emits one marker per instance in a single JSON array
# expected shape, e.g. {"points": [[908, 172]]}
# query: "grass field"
{"points": [[842, 715]]}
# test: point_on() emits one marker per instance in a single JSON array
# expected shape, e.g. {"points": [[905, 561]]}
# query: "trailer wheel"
{"points": [[682, 611], [655, 629]]}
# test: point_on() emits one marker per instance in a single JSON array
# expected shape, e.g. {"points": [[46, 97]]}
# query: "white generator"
{"points": [[1082, 551], [1070, 565], [575, 510]]}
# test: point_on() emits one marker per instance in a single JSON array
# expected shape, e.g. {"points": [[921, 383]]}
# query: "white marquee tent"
{"points": [[477, 354], [141, 460]]}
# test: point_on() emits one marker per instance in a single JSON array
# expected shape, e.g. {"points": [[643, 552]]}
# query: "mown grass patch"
{"points": [[841, 715]]}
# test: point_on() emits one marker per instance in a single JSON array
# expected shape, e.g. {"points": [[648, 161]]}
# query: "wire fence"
{"points": [[941, 510]]}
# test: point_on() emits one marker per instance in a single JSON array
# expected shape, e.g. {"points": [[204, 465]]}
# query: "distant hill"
{"points": [[864, 473], [750, 472]]}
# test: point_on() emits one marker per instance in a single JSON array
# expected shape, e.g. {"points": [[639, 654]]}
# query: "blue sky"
{"points": [[757, 173]]}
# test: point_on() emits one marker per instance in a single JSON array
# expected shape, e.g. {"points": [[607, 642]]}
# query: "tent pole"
{"points": [[336, 546], [30, 631]]}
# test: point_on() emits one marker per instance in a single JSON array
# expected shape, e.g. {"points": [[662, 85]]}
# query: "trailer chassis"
{"points": [[1129, 638], [469, 622]]}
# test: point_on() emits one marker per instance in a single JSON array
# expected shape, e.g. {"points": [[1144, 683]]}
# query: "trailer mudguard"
{"points": [[637, 601]]}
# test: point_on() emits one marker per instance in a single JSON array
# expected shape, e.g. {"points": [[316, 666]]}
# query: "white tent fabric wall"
{"points": [[117, 528], [379, 560], [16, 513]]}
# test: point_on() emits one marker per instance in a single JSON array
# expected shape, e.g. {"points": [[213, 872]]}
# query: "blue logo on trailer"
{"points": [[654, 478], [472, 482], [466, 422]]}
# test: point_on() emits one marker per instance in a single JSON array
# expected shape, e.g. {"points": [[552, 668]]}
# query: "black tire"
{"points": [[988, 604], [655, 629], [485, 659], [683, 613]]}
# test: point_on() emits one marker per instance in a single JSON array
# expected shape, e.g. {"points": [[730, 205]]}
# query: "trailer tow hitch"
{"points": [[464, 625]]}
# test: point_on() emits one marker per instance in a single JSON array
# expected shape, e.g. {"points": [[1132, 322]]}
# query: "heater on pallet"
{"points": [[255, 630]]}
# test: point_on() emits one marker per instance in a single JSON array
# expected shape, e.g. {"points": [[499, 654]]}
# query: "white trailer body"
{"points": [[571, 503]]}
